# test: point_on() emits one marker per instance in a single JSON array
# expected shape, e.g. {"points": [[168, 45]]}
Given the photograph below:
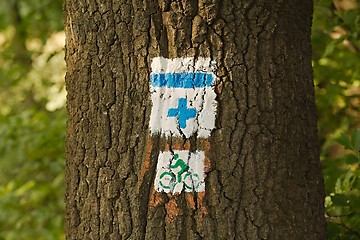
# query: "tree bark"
{"points": [[262, 170]]}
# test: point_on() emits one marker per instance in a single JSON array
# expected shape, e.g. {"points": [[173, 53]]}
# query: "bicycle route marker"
{"points": [[183, 104], [179, 171], [183, 96]]}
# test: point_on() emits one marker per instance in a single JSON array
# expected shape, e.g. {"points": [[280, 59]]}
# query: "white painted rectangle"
{"points": [[180, 65], [179, 171], [183, 97]]}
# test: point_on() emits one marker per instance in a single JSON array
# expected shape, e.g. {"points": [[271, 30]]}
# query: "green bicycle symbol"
{"points": [[191, 180]]}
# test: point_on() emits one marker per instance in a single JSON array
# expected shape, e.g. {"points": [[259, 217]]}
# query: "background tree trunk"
{"points": [[263, 175]]}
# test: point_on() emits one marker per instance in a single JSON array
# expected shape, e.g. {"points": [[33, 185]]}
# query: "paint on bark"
{"points": [[183, 96], [179, 171], [183, 104]]}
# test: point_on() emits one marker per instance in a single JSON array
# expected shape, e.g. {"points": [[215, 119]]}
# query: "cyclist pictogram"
{"points": [[168, 180], [176, 175]]}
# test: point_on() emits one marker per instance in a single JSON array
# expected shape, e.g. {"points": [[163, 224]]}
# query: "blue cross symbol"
{"points": [[182, 112]]}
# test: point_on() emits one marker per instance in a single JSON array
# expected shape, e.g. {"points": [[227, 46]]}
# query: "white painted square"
{"points": [[179, 171], [184, 82]]}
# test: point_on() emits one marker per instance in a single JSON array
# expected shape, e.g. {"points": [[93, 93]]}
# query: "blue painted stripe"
{"points": [[182, 80]]}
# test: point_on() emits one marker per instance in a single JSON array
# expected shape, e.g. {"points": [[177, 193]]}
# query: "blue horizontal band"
{"points": [[181, 80]]}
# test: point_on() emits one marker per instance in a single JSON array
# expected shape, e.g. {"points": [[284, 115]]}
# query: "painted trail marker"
{"points": [[183, 96], [180, 171]]}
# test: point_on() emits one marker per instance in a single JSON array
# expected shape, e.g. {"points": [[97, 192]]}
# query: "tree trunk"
{"points": [[236, 157]]}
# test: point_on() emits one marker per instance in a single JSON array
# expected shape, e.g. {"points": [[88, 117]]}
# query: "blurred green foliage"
{"points": [[32, 180], [32, 120], [32, 116], [336, 62]]}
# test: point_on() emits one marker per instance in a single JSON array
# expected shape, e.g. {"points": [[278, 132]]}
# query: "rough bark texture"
{"points": [[263, 175]]}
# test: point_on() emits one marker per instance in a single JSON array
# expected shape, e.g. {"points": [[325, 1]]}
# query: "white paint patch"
{"points": [[183, 96], [180, 65], [180, 171]]}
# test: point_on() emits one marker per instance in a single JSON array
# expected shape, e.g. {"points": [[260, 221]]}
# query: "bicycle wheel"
{"points": [[192, 181], [167, 180]]}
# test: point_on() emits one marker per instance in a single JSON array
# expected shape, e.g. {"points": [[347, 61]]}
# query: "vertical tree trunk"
{"points": [[260, 163]]}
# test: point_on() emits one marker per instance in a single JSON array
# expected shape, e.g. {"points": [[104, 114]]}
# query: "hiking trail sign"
{"points": [[183, 104], [183, 97]]}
